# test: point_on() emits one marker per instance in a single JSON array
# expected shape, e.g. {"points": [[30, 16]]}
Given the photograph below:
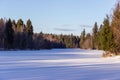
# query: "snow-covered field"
{"points": [[62, 64]]}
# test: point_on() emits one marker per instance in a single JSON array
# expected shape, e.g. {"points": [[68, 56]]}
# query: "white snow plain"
{"points": [[58, 64]]}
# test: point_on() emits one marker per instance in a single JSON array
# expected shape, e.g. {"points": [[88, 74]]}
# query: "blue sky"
{"points": [[58, 16]]}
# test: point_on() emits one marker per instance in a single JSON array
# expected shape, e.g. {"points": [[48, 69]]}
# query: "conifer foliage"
{"points": [[115, 25], [17, 35], [107, 37], [9, 34]]}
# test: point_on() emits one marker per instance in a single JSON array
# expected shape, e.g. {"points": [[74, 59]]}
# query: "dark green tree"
{"points": [[2, 33], [106, 36], [95, 36], [82, 38], [29, 27], [115, 25], [9, 34]]}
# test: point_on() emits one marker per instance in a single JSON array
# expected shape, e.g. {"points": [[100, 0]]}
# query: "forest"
{"points": [[18, 35]]}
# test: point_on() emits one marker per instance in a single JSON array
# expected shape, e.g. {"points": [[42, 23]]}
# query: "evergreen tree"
{"points": [[20, 25], [95, 36], [14, 26], [106, 38], [82, 38], [21, 35], [2, 33], [95, 30], [29, 27], [9, 35], [88, 41], [116, 28]]}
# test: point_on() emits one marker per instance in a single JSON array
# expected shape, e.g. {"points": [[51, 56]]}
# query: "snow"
{"points": [[58, 64]]}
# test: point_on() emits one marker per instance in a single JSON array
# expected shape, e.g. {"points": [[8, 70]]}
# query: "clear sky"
{"points": [[58, 16]]}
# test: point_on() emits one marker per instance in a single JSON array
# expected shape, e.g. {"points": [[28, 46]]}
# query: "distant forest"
{"points": [[18, 35]]}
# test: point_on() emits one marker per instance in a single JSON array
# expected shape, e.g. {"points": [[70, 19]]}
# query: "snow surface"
{"points": [[58, 64]]}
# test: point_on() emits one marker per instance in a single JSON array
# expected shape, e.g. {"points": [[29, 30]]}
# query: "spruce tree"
{"points": [[29, 27], [82, 38], [106, 36], [20, 25], [9, 35], [95, 36], [115, 24]]}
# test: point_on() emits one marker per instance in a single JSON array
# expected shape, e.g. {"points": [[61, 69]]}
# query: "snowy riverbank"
{"points": [[58, 64]]}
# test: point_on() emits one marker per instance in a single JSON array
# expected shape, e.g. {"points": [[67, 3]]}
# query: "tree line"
{"points": [[106, 36], [17, 35]]}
